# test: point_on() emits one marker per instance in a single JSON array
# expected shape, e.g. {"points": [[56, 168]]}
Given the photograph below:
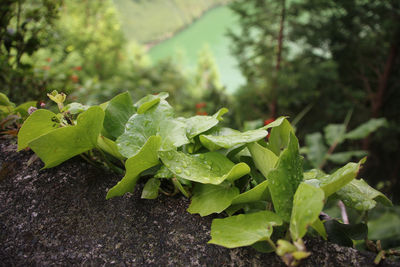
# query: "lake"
{"points": [[209, 30]]}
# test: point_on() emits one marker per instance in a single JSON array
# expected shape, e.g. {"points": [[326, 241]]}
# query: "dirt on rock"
{"points": [[60, 216]]}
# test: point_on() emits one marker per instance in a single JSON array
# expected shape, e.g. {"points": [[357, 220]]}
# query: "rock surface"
{"points": [[60, 216]]}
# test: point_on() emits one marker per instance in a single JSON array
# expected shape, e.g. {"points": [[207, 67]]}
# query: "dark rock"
{"points": [[60, 216]]}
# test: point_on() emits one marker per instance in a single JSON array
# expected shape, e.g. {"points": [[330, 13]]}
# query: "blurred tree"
{"points": [[25, 27], [258, 46], [337, 56], [207, 84], [363, 39]]}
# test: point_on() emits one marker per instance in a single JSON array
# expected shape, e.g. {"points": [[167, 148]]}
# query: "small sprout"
{"points": [[58, 98], [291, 254]]}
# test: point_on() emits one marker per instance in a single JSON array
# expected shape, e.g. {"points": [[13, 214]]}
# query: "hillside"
{"points": [[147, 21]]}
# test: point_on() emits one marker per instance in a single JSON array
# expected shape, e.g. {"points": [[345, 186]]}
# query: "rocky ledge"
{"points": [[59, 216]]}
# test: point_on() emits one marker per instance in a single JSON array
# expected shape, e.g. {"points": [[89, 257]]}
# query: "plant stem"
{"points": [[272, 244], [343, 212]]}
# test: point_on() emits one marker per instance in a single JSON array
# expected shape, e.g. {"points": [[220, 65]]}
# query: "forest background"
{"points": [[328, 65]]}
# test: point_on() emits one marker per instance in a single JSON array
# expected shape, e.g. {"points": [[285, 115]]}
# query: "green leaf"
{"points": [[316, 149], [275, 123], [140, 127], [264, 159], [343, 157], [333, 182], [334, 133], [255, 194], [279, 138], [313, 174], [343, 234], [75, 108], [64, 143], [199, 124], [109, 146], [164, 173], [173, 133], [263, 247], [244, 229], [284, 180], [37, 124], [23, 108], [318, 226], [232, 139], [149, 101], [386, 226], [5, 101], [150, 190], [117, 113], [146, 158], [359, 195], [366, 129], [207, 168], [307, 204], [208, 199]]}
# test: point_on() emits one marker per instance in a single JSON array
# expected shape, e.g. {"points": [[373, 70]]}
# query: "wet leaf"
{"points": [[146, 158], [359, 195], [244, 229], [284, 180], [117, 113], [37, 124], [173, 134], [140, 127], [264, 159], [255, 194], [64, 143], [231, 139], [149, 101], [207, 168], [199, 124], [332, 183], [164, 172], [279, 138], [208, 199], [307, 204]]}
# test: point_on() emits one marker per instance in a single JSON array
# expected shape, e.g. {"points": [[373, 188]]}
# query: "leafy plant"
{"points": [[11, 116], [261, 185], [320, 149]]}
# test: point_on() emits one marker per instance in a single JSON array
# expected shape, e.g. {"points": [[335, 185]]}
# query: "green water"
{"points": [[209, 30]]}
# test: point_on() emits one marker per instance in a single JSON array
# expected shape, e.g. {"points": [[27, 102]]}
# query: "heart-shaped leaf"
{"points": [[307, 204], [244, 229], [207, 168], [208, 198], [37, 124], [284, 180], [146, 158], [64, 143]]}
